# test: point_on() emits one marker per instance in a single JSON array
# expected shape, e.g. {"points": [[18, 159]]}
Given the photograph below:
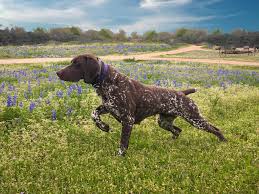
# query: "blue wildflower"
{"points": [[175, 83], [73, 86], [32, 106], [79, 90], [41, 94], [69, 91], [10, 87], [26, 95], [29, 87], [59, 94], [9, 102], [15, 99], [69, 111], [223, 85], [21, 104], [54, 115], [3, 85]]}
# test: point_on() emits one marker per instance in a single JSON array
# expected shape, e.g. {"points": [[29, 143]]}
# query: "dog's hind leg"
{"points": [[199, 122], [166, 122], [190, 112], [96, 118]]}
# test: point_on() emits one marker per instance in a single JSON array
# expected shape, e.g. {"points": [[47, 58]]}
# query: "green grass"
{"points": [[71, 155], [212, 54]]}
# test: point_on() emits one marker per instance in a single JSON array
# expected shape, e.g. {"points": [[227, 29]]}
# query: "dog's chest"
{"points": [[113, 99]]}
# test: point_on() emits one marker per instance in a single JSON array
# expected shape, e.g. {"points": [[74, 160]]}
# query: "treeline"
{"points": [[19, 36]]}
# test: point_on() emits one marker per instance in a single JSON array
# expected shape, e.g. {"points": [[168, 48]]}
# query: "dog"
{"points": [[130, 101]]}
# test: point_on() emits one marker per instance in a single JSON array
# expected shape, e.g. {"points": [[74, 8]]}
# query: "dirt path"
{"points": [[145, 56]]}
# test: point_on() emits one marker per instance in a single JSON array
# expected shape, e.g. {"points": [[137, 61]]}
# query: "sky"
{"points": [[132, 15]]}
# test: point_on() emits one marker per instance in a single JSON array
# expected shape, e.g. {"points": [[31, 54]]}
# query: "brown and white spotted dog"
{"points": [[130, 102]]}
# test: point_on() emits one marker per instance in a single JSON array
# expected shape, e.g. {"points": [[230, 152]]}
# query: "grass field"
{"points": [[49, 144], [213, 54], [70, 50]]}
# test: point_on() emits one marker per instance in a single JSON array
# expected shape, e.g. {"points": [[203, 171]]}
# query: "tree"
{"points": [[62, 34], [76, 31], [239, 32], [164, 37], [39, 35], [180, 32], [121, 36], [150, 35], [191, 35], [19, 35], [216, 32], [106, 34], [134, 36]]}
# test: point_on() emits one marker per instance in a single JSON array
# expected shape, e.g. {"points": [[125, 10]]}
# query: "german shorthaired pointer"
{"points": [[130, 102]]}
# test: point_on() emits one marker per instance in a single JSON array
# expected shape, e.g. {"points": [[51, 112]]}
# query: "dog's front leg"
{"points": [[96, 118], [125, 136]]}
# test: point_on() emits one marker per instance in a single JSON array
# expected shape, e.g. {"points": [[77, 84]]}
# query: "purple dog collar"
{"points": [[104, 70]]}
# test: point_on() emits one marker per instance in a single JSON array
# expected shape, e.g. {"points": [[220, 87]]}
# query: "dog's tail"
{"points": [[189, 91]]}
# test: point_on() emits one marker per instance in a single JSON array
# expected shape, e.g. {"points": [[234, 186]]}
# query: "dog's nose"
{"points": [[59, 73]]}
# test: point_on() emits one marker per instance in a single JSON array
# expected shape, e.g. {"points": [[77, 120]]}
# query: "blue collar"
{"points": [[104, 70]]}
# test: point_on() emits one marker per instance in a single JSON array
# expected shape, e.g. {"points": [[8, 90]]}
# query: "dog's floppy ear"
{"points": [[91, 69]]}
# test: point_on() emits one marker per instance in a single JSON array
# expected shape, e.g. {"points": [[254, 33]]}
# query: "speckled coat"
{"points": [[130, 101]]}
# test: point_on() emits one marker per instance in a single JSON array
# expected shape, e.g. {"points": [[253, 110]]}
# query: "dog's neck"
{"points": [[101, 75]]}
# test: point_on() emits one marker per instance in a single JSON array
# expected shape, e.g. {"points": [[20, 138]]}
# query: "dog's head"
{"points": [[82, 67]]}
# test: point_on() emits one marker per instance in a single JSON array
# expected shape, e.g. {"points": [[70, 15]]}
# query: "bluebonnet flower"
{"points": [[54, 114], [79, 90], [223, 85], [32, 106], [69, 111], [9, 102], [26, 95], [175, 83], [47, 101], [3, 85], [158, 83], [21, 104], [15, 99], [41, 94], [29, 87], [69, 91], [10, 87], [59, 93], [73, 86], [208, 85]]}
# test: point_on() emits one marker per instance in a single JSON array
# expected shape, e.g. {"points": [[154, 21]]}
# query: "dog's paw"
{"points": [[121, 152], [176, 134]]}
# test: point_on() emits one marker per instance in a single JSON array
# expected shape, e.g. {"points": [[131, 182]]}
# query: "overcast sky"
{"points": [[132, 15]]}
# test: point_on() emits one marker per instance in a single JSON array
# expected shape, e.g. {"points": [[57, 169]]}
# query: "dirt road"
{"points": [[145, 56]]}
